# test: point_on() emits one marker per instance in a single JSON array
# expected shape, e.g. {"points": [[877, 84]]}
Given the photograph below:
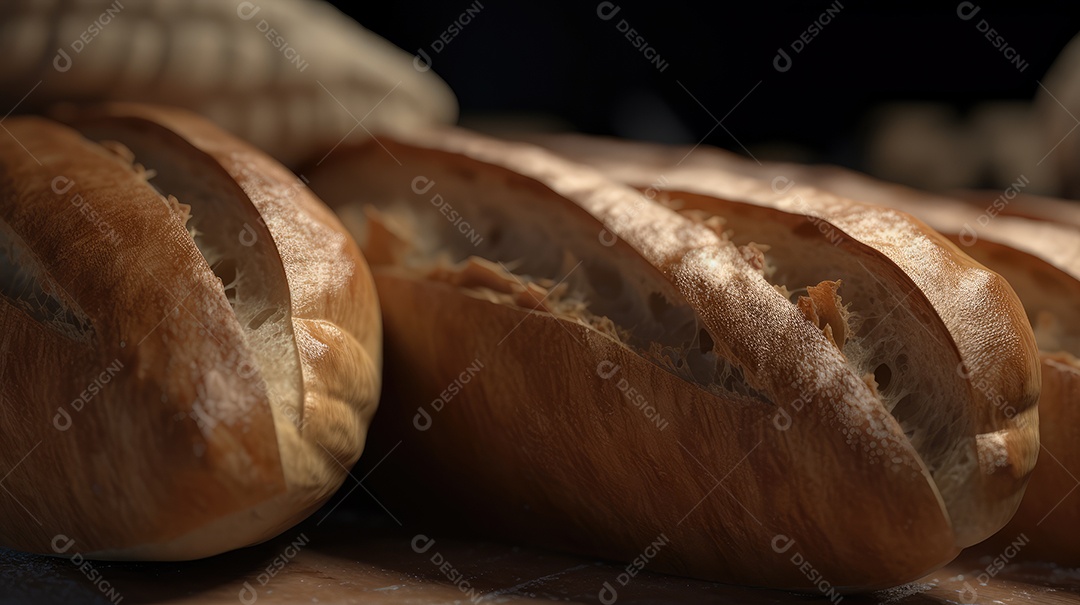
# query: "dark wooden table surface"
{"points": [[352, 554]]}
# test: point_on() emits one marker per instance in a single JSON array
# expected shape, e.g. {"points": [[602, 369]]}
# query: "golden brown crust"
{"points": [[536, 444], [544, 457], [180, 430], [1032, 242], [153, 273], [981, 315], [333, 302]]}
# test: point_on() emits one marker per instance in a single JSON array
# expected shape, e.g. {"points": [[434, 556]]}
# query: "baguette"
{"points": [[191, 342], [1031, 241], [1034, 242], [571, 366]]}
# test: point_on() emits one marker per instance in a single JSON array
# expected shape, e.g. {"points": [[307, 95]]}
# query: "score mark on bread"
{"points": [[823, 308]]}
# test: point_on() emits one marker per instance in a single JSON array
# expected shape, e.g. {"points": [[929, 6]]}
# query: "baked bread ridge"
{"points": [[306, 350], [1041, 259], [1049, 285], [1034, 243], [983, 317], [88, 305], [765, 344]]}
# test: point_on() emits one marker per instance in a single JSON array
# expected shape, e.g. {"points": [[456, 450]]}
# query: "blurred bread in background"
{"points": [[1058, 104], [294, 77]]}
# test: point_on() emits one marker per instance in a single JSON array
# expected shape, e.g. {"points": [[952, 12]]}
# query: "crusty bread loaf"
{"points": [[191, 341], [1034, 242], [1031, 241], [573, 365], [989, 352]]}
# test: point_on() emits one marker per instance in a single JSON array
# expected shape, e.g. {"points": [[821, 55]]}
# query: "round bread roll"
{"points": [[727, 394], [191, 342]]}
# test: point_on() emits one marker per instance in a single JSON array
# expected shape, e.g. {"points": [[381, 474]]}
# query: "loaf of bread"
{"points": [[733, 392], [191, 342], [1034, 243], [293, 77], [1031, 241]]}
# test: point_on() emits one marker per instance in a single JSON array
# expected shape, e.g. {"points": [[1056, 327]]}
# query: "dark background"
{"points": [[561, 61]]}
